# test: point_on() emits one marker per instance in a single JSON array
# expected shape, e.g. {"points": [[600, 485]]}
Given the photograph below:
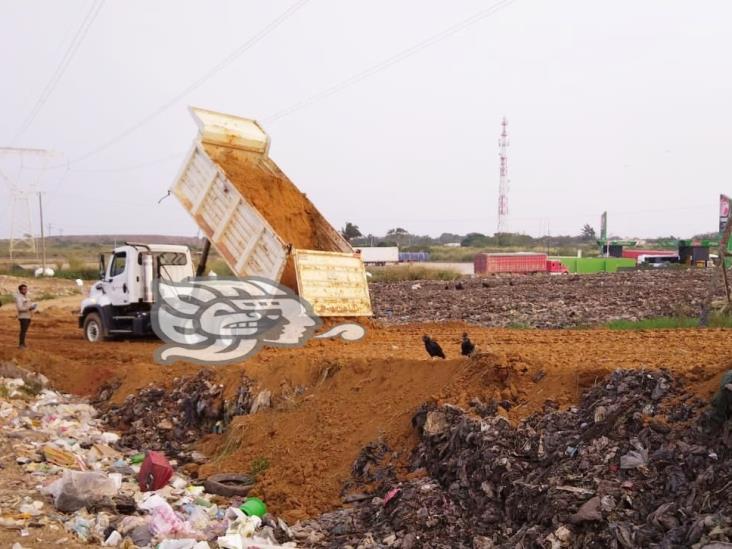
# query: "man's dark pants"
{"points": [[24, 324]]}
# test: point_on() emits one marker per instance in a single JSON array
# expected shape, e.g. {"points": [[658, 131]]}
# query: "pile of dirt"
{"points": [[293, 217], [545, 301], [636, 464], [313, 432], [172, 419]]}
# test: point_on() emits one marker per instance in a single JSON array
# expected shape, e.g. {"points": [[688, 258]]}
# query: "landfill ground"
{"points": [[550, 301], [332, 399]]}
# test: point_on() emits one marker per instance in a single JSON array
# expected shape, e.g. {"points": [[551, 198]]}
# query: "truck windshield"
{"points": [[118, 264]]}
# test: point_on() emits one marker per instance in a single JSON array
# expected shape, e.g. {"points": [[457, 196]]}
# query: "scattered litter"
{"points": [[103, 491]]}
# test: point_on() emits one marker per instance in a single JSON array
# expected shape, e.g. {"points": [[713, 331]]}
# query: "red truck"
{"points": [[521, 262]]}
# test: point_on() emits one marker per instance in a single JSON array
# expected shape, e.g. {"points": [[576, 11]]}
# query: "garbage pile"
{"points": [[544, 301], [636, 464], [172, 419], [88, 482]]}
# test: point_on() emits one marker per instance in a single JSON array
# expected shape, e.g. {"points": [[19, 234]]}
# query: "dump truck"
{"points": [[120, 302], [257, 220]]}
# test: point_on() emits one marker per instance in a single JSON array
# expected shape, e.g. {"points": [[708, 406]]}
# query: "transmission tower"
{"points": [[503, 180], [21, 225], [22, 238]]}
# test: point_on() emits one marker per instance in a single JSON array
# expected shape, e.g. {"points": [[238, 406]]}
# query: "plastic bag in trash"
{"points": [[239, 523], [164, 520], [183, 544], [237, 541], [77, 489], [199, 518], [634, 459]]}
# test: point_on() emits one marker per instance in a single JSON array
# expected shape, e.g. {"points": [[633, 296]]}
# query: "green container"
{"points": [[591, 265], [254, 507]]}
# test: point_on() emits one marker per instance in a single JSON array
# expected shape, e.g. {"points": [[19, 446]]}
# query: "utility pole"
{"points": [[43, 236], [503, 178]]}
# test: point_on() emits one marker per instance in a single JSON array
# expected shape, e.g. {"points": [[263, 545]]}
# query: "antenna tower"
{"points": [[503, 179]]}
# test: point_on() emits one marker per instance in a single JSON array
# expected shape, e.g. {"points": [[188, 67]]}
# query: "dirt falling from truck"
{"points": [[293, 217]]}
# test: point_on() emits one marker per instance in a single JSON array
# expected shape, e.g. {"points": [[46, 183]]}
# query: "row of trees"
{"points": [[400, 236]]}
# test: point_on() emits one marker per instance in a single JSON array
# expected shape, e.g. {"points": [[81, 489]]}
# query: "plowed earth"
{"points": [[331, 398]]}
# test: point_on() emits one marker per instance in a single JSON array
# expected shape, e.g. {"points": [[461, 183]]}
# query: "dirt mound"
{"points": [[545, 301], [312, 435], [634, 465]]}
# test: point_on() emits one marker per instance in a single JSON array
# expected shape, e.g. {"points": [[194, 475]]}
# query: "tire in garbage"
{"points": [[228, 485]]}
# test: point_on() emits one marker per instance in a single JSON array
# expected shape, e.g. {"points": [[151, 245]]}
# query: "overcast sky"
{"points": [[620, 105]]}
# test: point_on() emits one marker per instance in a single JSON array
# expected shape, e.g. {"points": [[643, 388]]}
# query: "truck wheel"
{"points": [[93, 328]]}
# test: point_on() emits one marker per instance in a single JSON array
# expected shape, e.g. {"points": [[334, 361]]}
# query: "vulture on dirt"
{"points": [[467, 347], [433, 348]]}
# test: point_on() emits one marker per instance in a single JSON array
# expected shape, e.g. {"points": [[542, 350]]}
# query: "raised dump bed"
{"points": [[260, 222]]}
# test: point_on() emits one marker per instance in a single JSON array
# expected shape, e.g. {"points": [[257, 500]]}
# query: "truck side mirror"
{"points": [[102, 267]]}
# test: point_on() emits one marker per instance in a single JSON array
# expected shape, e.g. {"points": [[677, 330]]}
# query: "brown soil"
{"points": [[293, 217], [353, 393]]}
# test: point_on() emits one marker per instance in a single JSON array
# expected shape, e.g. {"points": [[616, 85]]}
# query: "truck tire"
{"points": [[93, 328], [229, 485]]}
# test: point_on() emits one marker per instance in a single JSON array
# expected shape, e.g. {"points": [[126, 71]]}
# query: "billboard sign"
{"points": [[724, 204]]}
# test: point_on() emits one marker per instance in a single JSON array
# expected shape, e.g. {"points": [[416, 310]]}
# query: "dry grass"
{"points": [[397, 273]]}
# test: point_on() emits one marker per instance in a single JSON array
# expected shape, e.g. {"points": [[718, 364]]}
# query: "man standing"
{"points": [[25, 309]]}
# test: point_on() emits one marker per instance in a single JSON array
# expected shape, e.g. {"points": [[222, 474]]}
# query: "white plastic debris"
{"points": [[183, 544], [113, 539]]}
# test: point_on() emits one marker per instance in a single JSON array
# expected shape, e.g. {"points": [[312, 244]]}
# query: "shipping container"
{"points": [[591, 265], [378, 255], [510, 263], [260, 222], [409, 257]]}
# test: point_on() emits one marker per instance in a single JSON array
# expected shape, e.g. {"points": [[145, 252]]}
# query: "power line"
{"points": [[63, 65], [408, 52], [167, 158], [394, 59], [233, 56]]}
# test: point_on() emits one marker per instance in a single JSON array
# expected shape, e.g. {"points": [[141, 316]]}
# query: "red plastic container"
{"points": [[155, 472], [510, 263]]}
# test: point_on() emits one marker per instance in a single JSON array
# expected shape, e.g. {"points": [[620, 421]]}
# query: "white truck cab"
{"points": [[120, 303]]}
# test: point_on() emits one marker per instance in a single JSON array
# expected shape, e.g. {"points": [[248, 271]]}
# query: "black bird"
{"points": [[433, 348], [459, 286], [467, 347]]}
